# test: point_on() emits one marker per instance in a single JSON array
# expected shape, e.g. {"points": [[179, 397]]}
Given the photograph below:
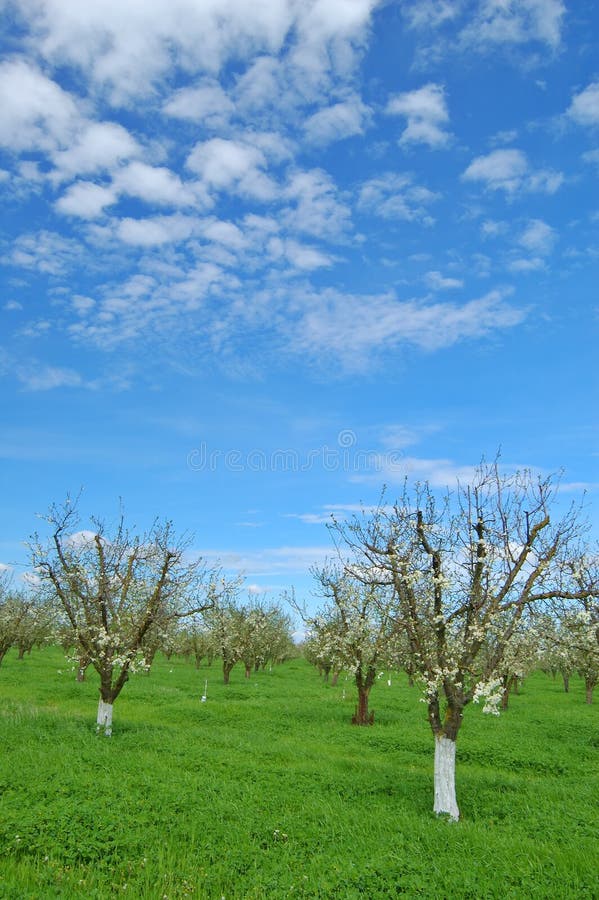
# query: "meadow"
{"points": [[267, 791]]}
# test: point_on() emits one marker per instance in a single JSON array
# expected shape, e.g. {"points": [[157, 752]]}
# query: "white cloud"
{"points": [[584, 109], [226, 233], [206, 103], [351, 328], [316, 208], [44, 251], [509, 170], [491, 228], [431, 13], [531, 264], [35, 113], [426, 112], [156, 230], [395, 196], [127, 48], [538, 237], [260, 85], [85, 200], [334, 123], [284, 560], [506, 22], [439, 473], [300, 256], [436, 282], [99, 147], [228, 165], [153, 184], [47, 378], [591, 156]]}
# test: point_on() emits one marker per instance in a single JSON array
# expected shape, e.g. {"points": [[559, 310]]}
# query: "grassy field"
{"points": [[267, 791]]}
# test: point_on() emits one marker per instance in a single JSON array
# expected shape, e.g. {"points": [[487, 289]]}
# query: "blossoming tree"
{"points": [[115, 588], [15, 612], [462, 568], [353, 631]]}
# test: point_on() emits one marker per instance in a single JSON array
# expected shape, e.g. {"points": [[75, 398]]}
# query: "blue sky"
{"points": [[260, 258]]}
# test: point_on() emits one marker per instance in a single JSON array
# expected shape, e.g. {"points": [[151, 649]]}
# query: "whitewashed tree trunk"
{"points": [[104, 717], [445, 799]]}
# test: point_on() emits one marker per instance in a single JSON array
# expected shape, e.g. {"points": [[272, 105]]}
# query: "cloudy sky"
{"points": [[260, 258]]}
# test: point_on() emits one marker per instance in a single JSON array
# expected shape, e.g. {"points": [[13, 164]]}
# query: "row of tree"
{"points": [[453, 589], [113, 599], [24, 621]]}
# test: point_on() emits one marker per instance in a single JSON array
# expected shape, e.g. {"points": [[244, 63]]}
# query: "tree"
{"points": [[582, 642], [555, 651], [115, 588], [318, 646], [36, 626], [519, 657], [14, 611], [263, 635], [462, 568], [353, 631], [196, 641], [224, 623]]}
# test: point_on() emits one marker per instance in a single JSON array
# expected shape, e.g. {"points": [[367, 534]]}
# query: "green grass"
{"points": [[267, 791]]}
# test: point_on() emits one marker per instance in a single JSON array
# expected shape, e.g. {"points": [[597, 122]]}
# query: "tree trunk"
{"points": [[248, 671], [227, 667], [82, 665], [21, 653], [104, 720], [566, 683], [505, 695], [589, 685], [335, 679], [445, 798], [361, 715]]}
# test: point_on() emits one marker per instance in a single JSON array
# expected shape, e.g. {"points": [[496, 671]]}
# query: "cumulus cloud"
{"points": [[35, 113], [584, 108], [509, 170], [44, 251], [538, 237], [315, 207], [206, 103], [431, 13], [351, 328], [127, 51], [153, 184], [300, 256], [232, 165], [86, 200], [437, 282], [334, 123], [98, 147], [499, 22], [394, 195], [155, 230], [426, 113]]}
